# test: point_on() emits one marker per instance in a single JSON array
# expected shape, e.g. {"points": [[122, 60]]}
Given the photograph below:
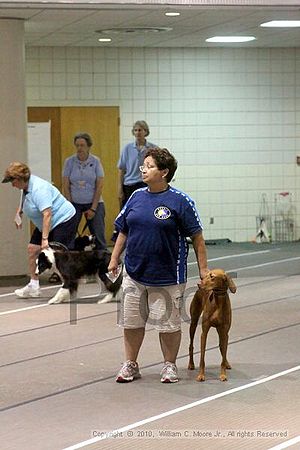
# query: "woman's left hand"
{"points": [[204, 272], [113, 266], [44, 244], [89, 214]]}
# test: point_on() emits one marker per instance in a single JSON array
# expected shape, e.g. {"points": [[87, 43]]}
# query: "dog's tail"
{"points": [[110, 285]]}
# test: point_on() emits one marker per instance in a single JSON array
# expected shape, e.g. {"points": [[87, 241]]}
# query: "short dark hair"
{"points": [[164, 160], [84, 136]]}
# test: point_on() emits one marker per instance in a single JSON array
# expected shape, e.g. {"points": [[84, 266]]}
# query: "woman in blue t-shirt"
{"points": [[132, 157], [153, 227], [51, 213], [83, 177]]}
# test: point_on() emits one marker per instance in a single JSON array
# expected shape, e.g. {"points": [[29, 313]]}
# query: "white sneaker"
{"points": [[169, 373], [28, 291], [128, 372]]}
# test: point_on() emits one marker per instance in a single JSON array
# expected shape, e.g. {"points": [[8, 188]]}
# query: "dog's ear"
{"points": [[231, 285]]}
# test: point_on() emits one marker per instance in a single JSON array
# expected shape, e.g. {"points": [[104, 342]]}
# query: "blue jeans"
{"points": [[96, 225]]}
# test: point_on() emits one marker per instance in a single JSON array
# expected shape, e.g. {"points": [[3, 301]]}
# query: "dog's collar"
{"points": [[215, 293], [219, 291]]}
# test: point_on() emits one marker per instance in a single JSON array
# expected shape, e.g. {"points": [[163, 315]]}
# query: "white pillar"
{"points": [[13, 132]]}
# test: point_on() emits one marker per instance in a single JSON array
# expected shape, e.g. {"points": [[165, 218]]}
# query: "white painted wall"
{"points": [[230, 116]]}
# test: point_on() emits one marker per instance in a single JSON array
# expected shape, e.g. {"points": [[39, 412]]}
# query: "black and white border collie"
{"points": [[73, 265], [86, 242]]}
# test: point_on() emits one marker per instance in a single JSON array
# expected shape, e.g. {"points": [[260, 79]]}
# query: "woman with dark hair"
{"points": [[153, 227], [51, 213], [83, 178]]}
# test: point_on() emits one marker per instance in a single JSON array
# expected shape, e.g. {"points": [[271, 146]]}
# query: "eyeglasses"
{"points": [[147, 167]]}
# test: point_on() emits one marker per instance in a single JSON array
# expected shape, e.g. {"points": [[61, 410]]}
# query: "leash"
{"points": [[55, 278], [84, 228], [58, 246]]}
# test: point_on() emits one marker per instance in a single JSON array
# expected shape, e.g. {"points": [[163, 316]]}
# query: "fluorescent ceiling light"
{"points": [[230, 39], [104, 40], [172, 14], [281, 23]]}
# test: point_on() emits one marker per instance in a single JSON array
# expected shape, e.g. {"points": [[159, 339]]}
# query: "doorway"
{"points": [[102, 123]]}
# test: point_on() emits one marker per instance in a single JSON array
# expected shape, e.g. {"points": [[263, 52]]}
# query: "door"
{"points": [[102, 123]]}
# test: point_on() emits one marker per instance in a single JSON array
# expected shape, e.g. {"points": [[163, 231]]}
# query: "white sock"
{"points": [[34, 283]]}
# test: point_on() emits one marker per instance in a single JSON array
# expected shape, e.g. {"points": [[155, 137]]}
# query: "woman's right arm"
{"points": [[120, 188], [66, 188], [116, 253]]}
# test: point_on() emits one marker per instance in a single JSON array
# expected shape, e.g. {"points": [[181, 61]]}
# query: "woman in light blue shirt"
{"points": [[51, 213], [132, 157], [83, 177]]}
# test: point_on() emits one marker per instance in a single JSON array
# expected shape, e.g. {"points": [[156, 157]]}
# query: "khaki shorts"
{"points": [[158, 306]]}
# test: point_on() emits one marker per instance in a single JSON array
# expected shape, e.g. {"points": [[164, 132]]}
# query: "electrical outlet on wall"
{"points": [[211, 221]]}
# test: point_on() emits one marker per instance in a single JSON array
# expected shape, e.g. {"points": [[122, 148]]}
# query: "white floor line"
{"points": [[40, 305], [234, 256], [190, 278], [42, 289], [286, 444], [112, 433], [239, 269], [266, 264], [26, 308]]}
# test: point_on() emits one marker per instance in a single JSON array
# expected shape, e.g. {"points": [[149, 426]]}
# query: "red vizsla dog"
{"points": [[213, 300]]}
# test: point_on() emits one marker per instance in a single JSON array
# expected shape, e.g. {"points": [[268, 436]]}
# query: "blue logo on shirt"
{"points": [[162, 212]]}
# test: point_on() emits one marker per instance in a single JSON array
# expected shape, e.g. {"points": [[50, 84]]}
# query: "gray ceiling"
{"points": [[74, 25]]}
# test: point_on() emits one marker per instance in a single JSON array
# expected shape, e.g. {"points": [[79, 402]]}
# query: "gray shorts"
{"points": [[159, 306]]}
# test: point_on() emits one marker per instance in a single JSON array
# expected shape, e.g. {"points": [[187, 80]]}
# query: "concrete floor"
{"points": [[58, 364]]}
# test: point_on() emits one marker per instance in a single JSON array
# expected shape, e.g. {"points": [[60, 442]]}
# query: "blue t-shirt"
{"points": [[41, 195], [156, 225], [83, 176], [130, 161]]}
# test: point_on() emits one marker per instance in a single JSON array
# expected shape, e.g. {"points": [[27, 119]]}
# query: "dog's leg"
{"points": [[228, 318], [223, 343], [118, 295], [205, 329], [223, 331], [73, 287], [62, 295], [195, 311], [108, 298], [112, 288]]}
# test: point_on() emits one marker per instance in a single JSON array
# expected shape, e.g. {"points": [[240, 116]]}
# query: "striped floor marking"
{"points": [[286, 444], [233, 256], [180, 409], [12, 311], [42, 289], [191, 278]]}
